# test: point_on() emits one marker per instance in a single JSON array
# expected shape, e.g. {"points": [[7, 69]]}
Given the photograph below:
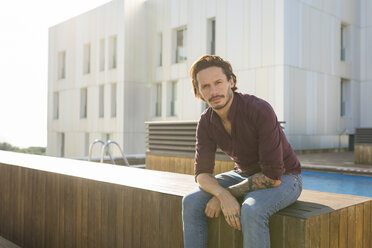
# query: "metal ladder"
{"points": [[104, 148]]}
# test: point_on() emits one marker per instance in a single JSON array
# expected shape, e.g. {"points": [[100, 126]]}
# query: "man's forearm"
{"points": [[209, 184], [252, 183]]}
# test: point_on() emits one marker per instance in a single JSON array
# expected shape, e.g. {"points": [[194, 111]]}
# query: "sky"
{"points": [[24, 28]]}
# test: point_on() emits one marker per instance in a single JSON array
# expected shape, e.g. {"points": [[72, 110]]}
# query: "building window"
{"points": [[60, 144], [204, 106], [345, 98], [62, 65], [101, 101], [55, 105], [86, 62], [345, 34], [157, 99], [102, 55], [83, 102], [180, 46], [112, 52], [172, 99], [113, 100], [159, 53], [211, 36]]}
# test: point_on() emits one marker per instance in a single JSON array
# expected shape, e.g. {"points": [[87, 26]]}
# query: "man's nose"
{"points": [[213, 90]]}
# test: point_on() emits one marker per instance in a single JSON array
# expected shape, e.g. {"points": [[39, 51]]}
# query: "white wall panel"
{"points": [[210, 8], [234, 32], [268, 32], [366, 104], [279, 32], [221, 28], [246, 81], [315, 40], [255, 29]]}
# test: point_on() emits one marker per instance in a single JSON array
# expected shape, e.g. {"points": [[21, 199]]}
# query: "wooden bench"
{"points": [[55, 202], [317, 219]]}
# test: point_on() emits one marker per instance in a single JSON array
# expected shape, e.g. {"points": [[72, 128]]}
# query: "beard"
{"points": [[218, 107]]}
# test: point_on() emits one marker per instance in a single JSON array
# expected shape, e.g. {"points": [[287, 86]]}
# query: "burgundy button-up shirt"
{"points": [[257, 142]]}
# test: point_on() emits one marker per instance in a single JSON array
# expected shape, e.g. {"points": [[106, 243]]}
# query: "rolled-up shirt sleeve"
{"points": [[205, 149], [269, 142]]}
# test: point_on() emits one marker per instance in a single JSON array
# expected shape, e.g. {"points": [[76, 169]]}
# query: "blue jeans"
{"points": [[256, 209]]}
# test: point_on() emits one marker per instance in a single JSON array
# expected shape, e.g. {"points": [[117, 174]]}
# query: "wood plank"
{"points": [[104, 214], [294, 232], [154, 219], [359, 225], [112, 217], [84, 212], [226, 233], [238, 239], [128, 204], [324, 230], [343, 228], [119, 232], [315, 227], [69, 211], [175, 231], [146, 212], [179, 166], [367, 225], [214, 232], [94, 214], [137, 213], [334, 229], [52, 207], [165, 221], [351, 232], [5, 193], [78, 209], [19, 224], [277, 225]]}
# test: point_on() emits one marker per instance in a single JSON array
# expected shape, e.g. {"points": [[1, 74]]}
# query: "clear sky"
{"points": [[24, 65]]}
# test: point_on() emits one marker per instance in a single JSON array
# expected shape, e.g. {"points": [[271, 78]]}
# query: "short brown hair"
{"points": [[207, 61]]}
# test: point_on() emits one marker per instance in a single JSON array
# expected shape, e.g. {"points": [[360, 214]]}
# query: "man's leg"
{"points": [[195, 222], [259, 205]]}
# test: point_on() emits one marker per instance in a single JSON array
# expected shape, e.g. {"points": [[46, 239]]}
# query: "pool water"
{"points": [[336, 183]]}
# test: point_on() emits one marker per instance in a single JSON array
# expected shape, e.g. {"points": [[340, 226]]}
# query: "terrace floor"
{"points": [[340, 162]]}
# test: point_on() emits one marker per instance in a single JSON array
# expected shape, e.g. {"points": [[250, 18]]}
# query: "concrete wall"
{"points": [[366, 64], [313, 72], [70, 36], [249, 34], [287, 52]]}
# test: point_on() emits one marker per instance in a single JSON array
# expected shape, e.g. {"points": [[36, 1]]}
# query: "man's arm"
{"points": [[227, 202], [252, 183]]}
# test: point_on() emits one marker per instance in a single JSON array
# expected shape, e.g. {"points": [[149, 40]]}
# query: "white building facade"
{"points": [[308, 59]]}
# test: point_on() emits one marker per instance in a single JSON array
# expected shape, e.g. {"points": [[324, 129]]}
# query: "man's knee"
{"points": [[251, 211], [193, 200]]}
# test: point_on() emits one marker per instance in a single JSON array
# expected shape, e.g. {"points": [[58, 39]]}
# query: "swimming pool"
{"points": [[336, 183]]}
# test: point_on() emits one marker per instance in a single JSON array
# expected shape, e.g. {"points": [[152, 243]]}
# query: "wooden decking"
{"points": [[54, 202]]}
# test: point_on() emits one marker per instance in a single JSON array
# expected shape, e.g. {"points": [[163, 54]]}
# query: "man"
{"points": [[267, 172]]}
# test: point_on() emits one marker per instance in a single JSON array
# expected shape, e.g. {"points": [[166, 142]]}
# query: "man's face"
{"points": [[214, 87]]}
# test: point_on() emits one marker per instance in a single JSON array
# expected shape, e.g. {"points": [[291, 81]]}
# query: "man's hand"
{"points": [[228, 203], [213, 208], [231, 210]]}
